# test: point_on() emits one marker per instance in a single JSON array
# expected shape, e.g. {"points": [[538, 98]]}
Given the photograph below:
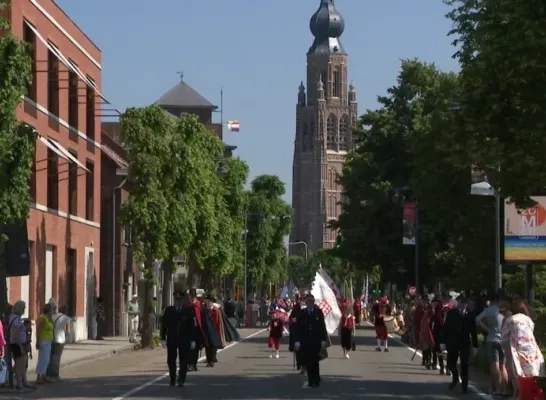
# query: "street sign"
{"points": [[412, 290]]}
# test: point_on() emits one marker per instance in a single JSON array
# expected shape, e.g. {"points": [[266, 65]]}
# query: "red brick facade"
{"points": [[64, 240]]}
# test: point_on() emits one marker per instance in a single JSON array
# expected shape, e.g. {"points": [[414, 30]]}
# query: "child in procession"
{"points": [[276, 328]]}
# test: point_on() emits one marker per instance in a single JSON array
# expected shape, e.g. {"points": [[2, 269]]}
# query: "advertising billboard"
{"points": [[525, 233]]}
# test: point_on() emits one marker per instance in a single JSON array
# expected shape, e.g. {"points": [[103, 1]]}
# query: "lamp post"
{"points": [[119, 172], [300, 242], [398, 194], [485, 189], [248, 214]]}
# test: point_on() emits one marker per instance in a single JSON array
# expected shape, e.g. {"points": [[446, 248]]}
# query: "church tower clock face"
{"points": [[325, 113]]}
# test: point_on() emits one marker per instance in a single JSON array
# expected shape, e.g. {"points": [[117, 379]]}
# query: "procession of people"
{"points": [[444, 329]]}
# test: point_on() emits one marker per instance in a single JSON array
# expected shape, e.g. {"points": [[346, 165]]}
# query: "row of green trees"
{"points": [[430, 129], [188, 200]]}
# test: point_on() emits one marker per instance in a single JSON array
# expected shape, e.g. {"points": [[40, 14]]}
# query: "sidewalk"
{"points": [[87, 350]]}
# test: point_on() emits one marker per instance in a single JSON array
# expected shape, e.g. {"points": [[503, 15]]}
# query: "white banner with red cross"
{"points": [[326, 300]]}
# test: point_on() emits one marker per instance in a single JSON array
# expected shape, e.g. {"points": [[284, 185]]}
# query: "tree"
{"points": [[17, 141], [409, 147], [268, 223], [500, 50], [148, 134]]}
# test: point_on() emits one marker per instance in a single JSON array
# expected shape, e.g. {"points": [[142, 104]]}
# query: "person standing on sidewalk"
{"points": [[133, 312], [61, 329], [490, 321], [44, 339]]}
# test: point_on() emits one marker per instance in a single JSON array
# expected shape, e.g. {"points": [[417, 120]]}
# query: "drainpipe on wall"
{"points": [[114, 232]]}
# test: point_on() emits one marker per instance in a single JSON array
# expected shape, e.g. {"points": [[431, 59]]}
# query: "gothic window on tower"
{"points": [[331, 133], [305, 137], [320, 133], [337, 83], [344, 131], [324, 79]]}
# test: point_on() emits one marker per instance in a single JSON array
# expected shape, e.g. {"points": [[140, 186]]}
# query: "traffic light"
{"points": [[339, 240]]}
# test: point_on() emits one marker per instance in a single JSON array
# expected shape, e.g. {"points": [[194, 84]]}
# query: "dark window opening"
{"points": [[30, 39], [73, 101], [52, 83], [70, 281], [73, 186], [90, 111], [90, 191], [52, 180], [337, 84]]}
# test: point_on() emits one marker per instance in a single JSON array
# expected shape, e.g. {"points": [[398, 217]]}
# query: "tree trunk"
{"points": [[147, 295]]}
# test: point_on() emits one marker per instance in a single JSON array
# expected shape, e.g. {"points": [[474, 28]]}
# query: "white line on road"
{"points": [[471, 386], [161, 377]]}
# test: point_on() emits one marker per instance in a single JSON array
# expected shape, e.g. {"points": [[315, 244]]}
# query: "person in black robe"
{"points": [[292, 327], [208, 336], [311, 339], [179, 332]]}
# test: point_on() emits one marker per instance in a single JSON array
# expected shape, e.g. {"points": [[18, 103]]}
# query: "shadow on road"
{"points": [[282, 386]]}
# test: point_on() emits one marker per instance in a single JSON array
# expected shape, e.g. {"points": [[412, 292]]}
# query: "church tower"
{"points": [[325, 113]]}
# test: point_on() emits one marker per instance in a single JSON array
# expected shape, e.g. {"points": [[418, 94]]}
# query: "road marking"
{"points": [[471, 386], [161, 377]]}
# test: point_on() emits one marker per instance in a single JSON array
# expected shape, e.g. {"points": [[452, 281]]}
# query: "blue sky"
{"points": [[256, 50]]}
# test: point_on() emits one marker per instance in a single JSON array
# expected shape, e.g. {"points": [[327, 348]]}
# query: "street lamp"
{"points": [[485, 189], [397, 197], [247, 215], [300, 242]]}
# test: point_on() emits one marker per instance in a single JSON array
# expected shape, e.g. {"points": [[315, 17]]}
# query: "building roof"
{"points": [[327, 26], [184, 96]]}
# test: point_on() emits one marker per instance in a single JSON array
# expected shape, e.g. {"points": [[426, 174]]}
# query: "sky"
{"points": [[255, 50]]}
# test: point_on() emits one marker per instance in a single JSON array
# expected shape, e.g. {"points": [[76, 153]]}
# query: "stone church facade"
{"points": [[325, 113]]}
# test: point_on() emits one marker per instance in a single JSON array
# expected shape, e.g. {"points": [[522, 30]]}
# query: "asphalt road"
{"points": [[246, 372]]}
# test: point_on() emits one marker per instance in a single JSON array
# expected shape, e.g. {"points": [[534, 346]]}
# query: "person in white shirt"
{"points": [[133, 311], [61, 329]]}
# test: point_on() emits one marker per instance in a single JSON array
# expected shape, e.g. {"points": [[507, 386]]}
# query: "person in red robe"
{"points": [[417, 323], [380, 311], [276, 329], [357, 311], [346, 328], [440, 315], [426, 338]]}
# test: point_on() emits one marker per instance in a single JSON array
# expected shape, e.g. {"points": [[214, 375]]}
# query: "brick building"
{"points": [[62, 104], [325, 114]]}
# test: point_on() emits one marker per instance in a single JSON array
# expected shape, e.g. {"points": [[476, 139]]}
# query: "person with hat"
{"points": [[216, 319], [381, 310], [179, 332], [311, 339], [458, 335]]}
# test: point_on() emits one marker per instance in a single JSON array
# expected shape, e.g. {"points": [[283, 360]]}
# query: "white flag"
{"points": [[326, 300], [330, 282]]}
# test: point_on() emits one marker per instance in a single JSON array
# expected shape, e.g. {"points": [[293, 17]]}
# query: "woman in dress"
{"points": [[524, 360]]}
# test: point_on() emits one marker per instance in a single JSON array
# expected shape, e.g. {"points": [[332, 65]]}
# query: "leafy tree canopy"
{"points": [[501, 93], [268, 223], [409, 149]]}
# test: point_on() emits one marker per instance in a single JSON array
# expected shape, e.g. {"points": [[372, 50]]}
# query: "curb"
{"points": [[100, 356]]}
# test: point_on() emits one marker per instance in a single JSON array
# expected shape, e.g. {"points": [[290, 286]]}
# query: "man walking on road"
{"points": [[179, 332], [458, 334], [311, 339]]}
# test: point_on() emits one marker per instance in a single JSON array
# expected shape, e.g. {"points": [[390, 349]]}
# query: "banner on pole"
{"points": [[409, 223]]}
